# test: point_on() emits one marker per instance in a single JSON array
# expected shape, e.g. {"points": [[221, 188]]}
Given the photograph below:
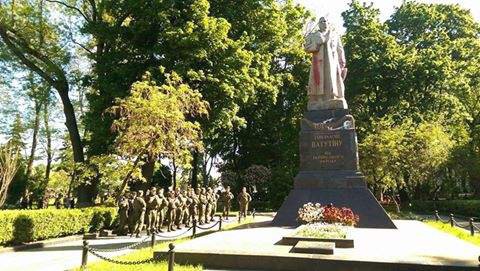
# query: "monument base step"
{"points": [[360, 200], [310, 247]]}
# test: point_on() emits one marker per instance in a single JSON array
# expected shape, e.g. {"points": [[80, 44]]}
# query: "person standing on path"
{"points": [[123, 215], [243, 200], [226, 198], [139, 208]]}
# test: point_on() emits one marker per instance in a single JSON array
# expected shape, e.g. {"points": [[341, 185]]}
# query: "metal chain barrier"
{"points": [[466, 226], [173, 236], [96, 251], [87, 249], [120, 261], [476, 228], [469, 226], [208, 228], [134, 245]]}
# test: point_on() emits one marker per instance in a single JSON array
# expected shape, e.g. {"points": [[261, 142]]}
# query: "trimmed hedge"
{"points": [[467, 208], [23, 226]]}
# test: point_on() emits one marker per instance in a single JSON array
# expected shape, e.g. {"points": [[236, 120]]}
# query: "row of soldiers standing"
{"points": [[155, 209]]}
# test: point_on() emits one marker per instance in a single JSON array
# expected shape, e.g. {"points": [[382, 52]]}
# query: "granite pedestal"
{"points": [[329, 171]]}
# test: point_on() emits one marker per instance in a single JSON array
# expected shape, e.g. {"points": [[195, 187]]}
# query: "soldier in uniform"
{"points": [[215, 198], [193, 206], [123, 215], [181, 201], [161, 209], [146, 196], [202, 206], [208, 208], [226, 199], [186, 205], [152, 209], [171, 207], [139, 208], [131, 219], [243, 199]]}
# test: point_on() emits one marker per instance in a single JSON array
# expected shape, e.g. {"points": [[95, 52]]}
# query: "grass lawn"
{"points": [[146, 253], [457, 232]]}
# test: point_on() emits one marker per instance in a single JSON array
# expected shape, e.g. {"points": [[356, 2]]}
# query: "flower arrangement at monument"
{"points": [[321, 230], [315, 213]]}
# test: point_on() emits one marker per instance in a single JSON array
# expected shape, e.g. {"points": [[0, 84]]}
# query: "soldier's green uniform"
{"points": [[226, 199], [131, 218], [243, 199], [193, 207], [123, 215], [146, 197], [215, 197], [162, 209], [152, 209], [139, 208], [185, 209], [202, 205], [181, 201], [208, 208], [171, 207]]}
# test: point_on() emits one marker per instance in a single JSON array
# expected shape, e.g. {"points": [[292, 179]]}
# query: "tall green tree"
{"points": [[34, 43]]}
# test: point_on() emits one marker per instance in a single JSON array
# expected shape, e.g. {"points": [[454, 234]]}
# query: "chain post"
{"points": [[451, 220], [84, 255], [472, 230], [152, 241], [194, 228], [171, 256], [436, 215], [220, 223]]}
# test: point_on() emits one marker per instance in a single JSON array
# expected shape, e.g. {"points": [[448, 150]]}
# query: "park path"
{"points": [[67, 255]]}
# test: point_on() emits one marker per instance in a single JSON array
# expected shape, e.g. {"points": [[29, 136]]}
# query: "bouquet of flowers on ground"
{"points": [[315, 212]]}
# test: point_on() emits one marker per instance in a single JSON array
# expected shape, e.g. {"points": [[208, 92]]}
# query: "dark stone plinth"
{"points": [[329, 171], [329, 179], [325, 144], [360, 200], [309, 247]]}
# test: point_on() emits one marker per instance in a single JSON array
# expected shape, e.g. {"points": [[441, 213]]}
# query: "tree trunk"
{"points": [[71, 123], [195, 169], [174, 173], [48, 135], [36, 127]]}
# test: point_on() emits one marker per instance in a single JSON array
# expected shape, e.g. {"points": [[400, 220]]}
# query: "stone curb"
{"points": [[41, 244]]}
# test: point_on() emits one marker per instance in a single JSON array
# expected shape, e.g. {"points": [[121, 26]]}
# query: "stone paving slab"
{"points": [[414, 245]]}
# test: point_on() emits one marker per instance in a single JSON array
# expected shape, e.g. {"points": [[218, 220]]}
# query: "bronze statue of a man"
{"points": [[328, 69]]}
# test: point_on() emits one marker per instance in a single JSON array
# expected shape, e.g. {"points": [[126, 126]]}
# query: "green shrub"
{"points": [[468, 208], [21, 226]]}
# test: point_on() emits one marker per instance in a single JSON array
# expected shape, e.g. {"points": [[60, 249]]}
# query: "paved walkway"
{"points": [[67, 255]]}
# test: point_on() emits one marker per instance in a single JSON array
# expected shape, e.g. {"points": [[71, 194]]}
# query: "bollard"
{"points": [[194, 228], [239, 217], [171, 256], [253, 213], [220, 223], [84, 255], [152, 242], [436, 215], [472, 230], [451, 220]]}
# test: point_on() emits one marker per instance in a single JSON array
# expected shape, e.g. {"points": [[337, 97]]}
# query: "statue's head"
{"points": [[323, 24]]}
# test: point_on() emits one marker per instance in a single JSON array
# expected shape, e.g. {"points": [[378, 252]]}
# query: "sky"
{"points": [[334, 8]]}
